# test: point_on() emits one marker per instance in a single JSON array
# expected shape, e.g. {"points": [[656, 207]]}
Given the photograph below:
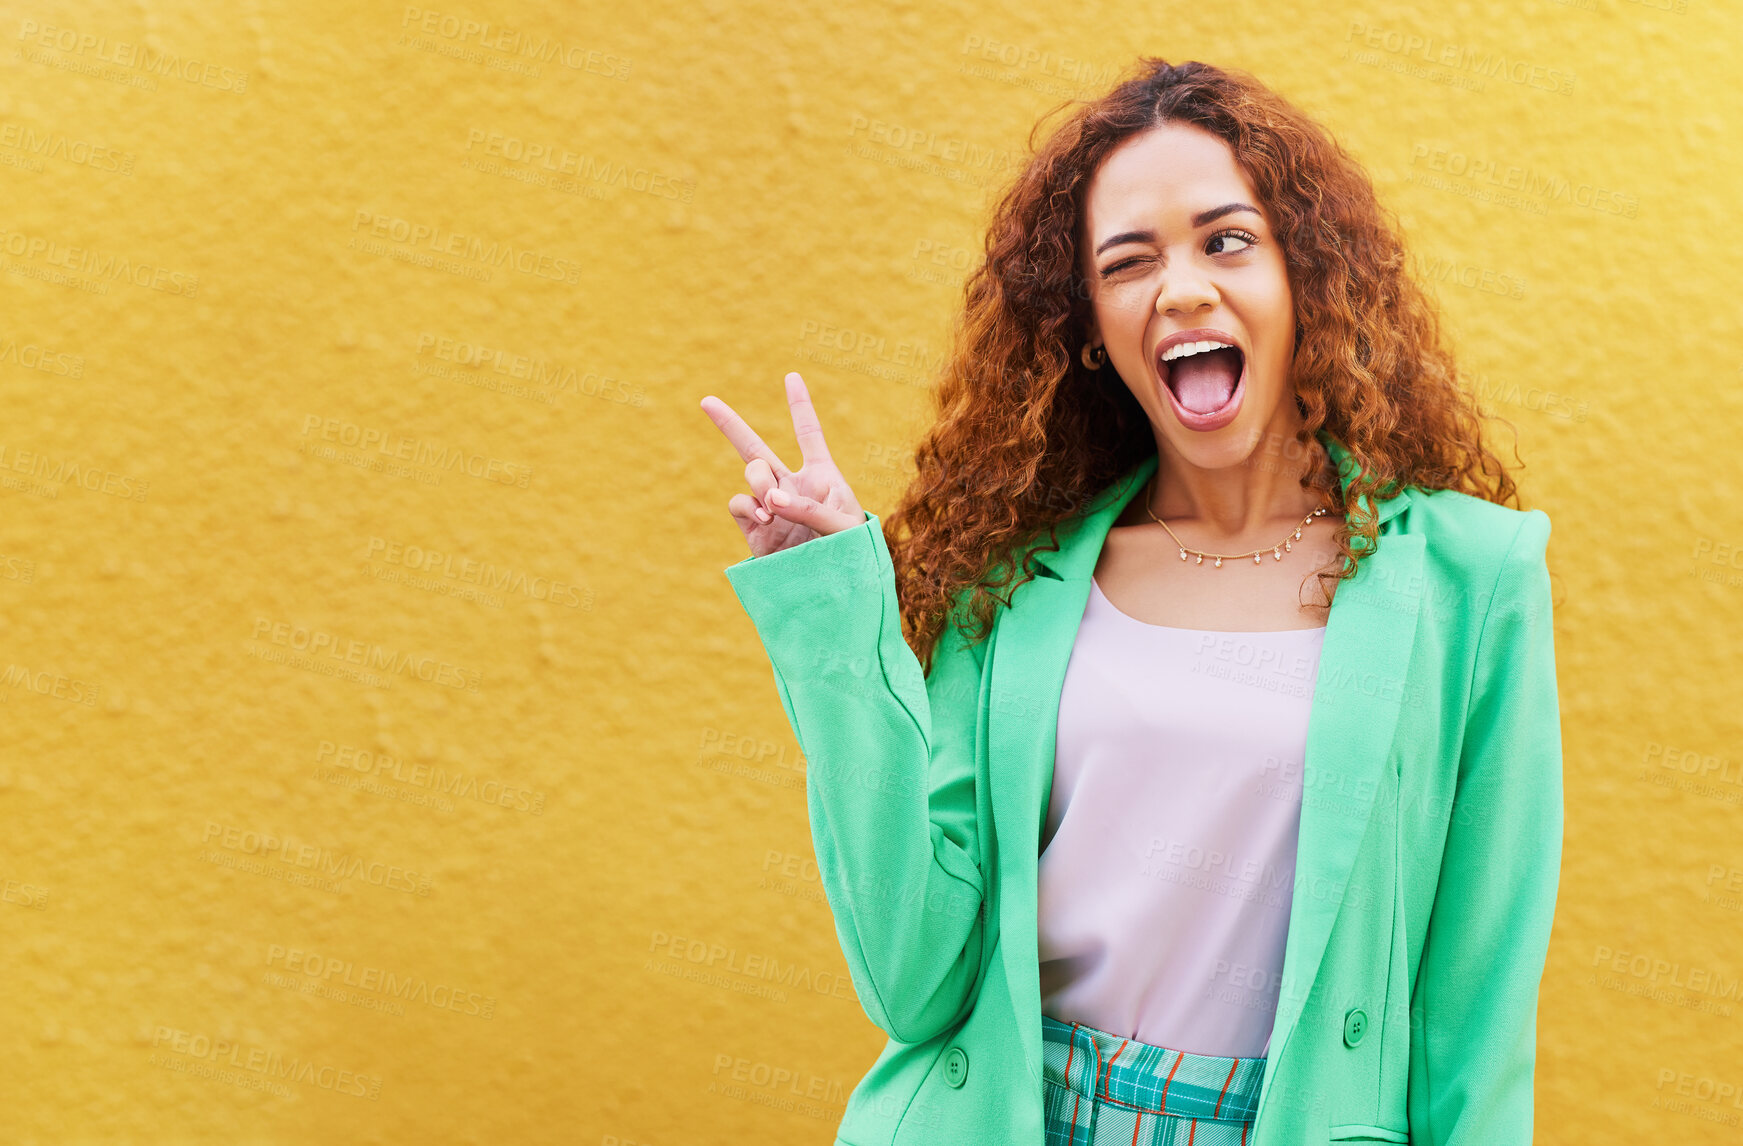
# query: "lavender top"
{"points": [[1168, 856]]}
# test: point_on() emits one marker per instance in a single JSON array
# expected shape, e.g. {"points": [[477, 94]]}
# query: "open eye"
{"points": [[1234, 233]]}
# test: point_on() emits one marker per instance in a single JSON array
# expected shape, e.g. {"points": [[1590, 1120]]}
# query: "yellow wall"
{"points": [[264, 386]]}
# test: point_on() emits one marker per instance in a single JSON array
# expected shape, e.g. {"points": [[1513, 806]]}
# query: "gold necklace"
{"points": [[1276, 550]]}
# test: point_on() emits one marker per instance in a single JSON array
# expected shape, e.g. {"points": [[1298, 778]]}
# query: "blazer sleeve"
{"points": [[1473, 1031], [890, 772]]}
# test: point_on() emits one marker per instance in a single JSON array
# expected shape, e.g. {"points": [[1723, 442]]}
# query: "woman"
{"points": [[1196, 712]]}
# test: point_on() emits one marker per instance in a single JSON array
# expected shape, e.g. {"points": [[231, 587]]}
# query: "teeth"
{"points": [[1186, 349]]}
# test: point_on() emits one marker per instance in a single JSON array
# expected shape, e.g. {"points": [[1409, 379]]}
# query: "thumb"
{"points": [[796, 507]]}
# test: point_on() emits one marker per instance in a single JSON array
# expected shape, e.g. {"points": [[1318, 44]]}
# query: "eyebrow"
{"points": [[1198, 220]]}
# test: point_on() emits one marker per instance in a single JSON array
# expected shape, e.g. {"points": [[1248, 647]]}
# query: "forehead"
{"points": [[1163, 175]]}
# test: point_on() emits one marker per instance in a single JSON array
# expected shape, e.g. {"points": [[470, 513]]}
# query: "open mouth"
{"points": [[1204, 381]]}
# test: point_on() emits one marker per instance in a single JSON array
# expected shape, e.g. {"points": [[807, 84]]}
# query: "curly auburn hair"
{"points": [[1024, 433]]}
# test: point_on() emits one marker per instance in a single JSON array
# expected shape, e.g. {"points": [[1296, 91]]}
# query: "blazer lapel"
{"points": [[1358, 695], [1370, 632], [1031, 647]]}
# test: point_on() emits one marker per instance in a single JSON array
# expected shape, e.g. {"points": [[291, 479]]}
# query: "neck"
{"points": [[1221, 501]]}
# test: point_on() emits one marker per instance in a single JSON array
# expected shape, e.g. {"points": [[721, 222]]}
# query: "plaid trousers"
{"points": [[1102, 1089]]}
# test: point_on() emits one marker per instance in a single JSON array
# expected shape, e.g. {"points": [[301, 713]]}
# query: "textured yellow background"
{"points": [[339, 335]]}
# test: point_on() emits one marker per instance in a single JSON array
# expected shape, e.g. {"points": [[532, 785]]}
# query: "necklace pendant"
{"points": [[1200, 560], [1276, 554], [1183, 554], [1287, 548], [1219, 562], [1255, 559]]}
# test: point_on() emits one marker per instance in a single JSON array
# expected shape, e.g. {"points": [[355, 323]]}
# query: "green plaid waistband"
{"points": [[1148, 1079]]}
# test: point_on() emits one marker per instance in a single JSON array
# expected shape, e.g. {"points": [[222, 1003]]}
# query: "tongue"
{"points": [[1204, 383]]}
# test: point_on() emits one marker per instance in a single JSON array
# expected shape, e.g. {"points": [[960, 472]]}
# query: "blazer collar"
{"points": [[1359, 693]]}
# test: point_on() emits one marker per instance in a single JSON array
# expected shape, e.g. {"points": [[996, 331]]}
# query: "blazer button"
{"points": [[956, 1066], [1355, 1026]]}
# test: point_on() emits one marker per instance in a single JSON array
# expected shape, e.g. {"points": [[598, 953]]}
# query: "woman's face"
{"points": [[1178, 251]]}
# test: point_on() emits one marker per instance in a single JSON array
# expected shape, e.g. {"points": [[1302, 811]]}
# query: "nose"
{"points": [[1184, 289]]}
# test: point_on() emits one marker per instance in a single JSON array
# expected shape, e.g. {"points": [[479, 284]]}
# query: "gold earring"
{"points": [[1093, 357]]}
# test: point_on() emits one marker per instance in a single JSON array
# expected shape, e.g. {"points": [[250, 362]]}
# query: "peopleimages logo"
{"points": [[514, 42], [557, 377], [416, 451], [50, 144], [482, 573], [326, 861], [1429, 49], [103, 265], [367, 654], [487, 252], [45, 683], [407, 988], [30, 356], [559, 160], [431, 776], [269, 1063], [138, 57]]}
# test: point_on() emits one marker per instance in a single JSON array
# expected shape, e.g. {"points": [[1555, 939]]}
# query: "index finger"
{"points": [[806, 427], [743, 438]]}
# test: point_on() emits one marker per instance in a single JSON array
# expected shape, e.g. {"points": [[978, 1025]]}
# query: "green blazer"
{"points": [[1430, 836]]}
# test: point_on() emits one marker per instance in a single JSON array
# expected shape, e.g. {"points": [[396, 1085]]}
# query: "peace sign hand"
{"points": [[789, 508]]}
